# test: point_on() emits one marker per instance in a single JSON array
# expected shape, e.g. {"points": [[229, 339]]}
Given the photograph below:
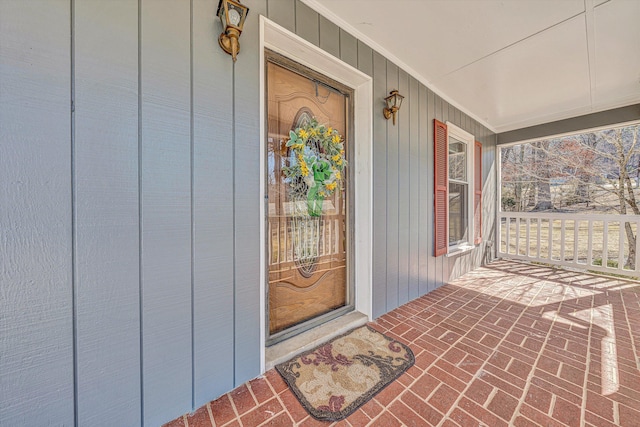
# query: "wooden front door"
{"points": [[307, 257]]}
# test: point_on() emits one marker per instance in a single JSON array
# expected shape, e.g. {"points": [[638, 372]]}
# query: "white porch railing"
{"points": [[589, 242]]}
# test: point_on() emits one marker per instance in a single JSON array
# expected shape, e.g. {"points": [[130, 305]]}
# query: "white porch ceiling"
{"points": [[508, 63]]}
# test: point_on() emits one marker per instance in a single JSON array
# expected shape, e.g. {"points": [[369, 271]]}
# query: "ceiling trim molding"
{"points": [[322, 10]]}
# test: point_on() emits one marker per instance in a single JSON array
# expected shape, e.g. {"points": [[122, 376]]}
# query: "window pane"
{"points": [[457, 160], [458, 213]]}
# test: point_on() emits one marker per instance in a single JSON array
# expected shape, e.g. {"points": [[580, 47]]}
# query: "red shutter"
{"points": [[441, 187], [477, 196]]}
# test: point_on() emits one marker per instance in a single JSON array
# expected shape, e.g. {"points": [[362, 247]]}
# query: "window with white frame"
{"points": [[460, 155], [457, 189]]}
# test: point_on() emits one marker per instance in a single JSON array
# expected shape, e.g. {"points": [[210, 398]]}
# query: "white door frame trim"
{"points": [[281, 40]]}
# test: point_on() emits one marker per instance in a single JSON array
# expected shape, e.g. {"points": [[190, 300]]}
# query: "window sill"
{"points": [[461, 249]]}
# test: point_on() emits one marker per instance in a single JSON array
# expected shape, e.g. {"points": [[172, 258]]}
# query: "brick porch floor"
{"points": [[508, 344]]}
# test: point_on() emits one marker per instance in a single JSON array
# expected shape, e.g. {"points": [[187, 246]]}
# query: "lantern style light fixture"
{"points": [[232, 14], [394, 101]]}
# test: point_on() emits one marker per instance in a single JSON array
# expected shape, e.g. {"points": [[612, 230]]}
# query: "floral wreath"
{"points": [[316, 167]]}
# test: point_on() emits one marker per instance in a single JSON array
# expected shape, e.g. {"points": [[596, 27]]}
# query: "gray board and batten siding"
{"points": [[129, 183]]}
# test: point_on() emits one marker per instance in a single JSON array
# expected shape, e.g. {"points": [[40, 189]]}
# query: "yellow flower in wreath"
{"points": [[304, 169]]}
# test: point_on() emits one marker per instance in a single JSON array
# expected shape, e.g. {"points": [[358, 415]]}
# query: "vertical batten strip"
{"points": [[413, 258], [140, 216], [246, 198], [72, 206], [380, 190], [212, 226], [432, 268], [425, 196], [392, 198], [404, 188], [234, 225], [191, 208]]}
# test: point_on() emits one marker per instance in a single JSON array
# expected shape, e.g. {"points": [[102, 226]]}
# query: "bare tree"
{"points": [[583, 175], [543, 174], [594, 170], [624, 188]]}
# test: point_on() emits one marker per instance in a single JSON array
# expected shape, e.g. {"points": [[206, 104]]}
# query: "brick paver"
{"points": [[509, 344]]}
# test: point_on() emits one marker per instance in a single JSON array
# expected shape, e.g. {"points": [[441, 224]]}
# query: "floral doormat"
{"points": [[336, 378]]}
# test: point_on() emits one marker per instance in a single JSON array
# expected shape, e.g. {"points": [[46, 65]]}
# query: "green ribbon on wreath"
{"points": [[321, 172]]}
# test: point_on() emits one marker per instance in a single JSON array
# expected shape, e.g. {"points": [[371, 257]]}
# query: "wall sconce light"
{"points": [[232, 14], [394, 101]]}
